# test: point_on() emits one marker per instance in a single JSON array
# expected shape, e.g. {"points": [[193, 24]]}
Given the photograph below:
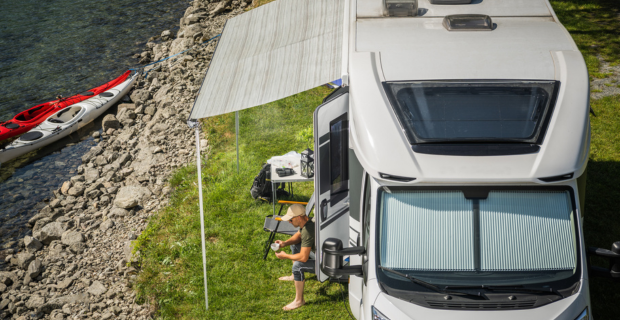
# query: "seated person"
{"points": [[302, 251]]}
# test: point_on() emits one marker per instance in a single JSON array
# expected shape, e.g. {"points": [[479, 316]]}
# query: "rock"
{"points": [[70, 237], [77, 248], [160, 127], [150, 110], [58, 303], [106, 225], [8, 278], [110, 121], [91, 174], [2, 289], [32, 245], [130, 196], [97, 289], [78, 178], [140, 96], [128, 251], [65, 187], [24, 259], [127, 117], [101, 161], [96, 134], [94, 151], [129, 106], [166, 35], [35, 302], [55, 203], [4, 303], [118, 212], [51, 231], [34, 269], [64, 284], [77, 189], [220, 7]]}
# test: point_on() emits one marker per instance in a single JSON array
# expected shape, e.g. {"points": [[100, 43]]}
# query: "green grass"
{"points": [[241, 285], [593, 24]]}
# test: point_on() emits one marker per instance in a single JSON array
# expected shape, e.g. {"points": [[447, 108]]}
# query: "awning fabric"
{"points": [[272, 52]]}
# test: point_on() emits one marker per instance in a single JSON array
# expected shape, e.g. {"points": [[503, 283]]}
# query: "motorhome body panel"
{"points": [[374, 8], [422, 49]]}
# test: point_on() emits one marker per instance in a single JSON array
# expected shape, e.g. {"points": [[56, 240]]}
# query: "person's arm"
{"points": [[302, 256], [295, 239]]}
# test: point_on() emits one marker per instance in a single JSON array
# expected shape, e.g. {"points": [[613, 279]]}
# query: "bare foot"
{"points": [[287, 278], [293, 305]]}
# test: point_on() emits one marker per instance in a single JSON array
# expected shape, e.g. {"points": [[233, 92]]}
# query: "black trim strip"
{"points": [[324, 138], [495, 149], [334, 218]]}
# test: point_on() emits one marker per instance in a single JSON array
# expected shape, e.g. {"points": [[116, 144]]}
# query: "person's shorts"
{"points": [[299, 268]]}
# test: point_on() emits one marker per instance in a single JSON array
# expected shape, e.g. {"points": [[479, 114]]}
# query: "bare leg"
{"points": [[287, 278], [299, 297]]}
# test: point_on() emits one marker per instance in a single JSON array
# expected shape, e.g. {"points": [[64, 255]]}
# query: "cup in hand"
{"points": [[275, 246]]}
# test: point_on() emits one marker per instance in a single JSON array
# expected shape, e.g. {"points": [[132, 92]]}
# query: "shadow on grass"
{"points": [[601, 229]]}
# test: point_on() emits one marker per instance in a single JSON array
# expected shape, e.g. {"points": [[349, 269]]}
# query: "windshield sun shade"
{"points": [[473, 111]]}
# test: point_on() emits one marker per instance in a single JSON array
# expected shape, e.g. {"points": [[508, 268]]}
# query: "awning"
{"points": [[272, 52]]}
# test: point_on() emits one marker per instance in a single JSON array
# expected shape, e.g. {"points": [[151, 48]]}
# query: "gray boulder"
{"points": [[51, 231], [77, 189], [97, 288], [131, 196], [94, 151], [35, 302], [106, 225], [91, 174], [70, 237], [140, 96], [34, 269], [58, 303], [110, 122], [32, 245], [24, 259]]}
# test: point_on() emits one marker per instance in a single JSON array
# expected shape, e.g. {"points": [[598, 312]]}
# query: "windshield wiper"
{"points": [[431, 286], [509, 288]]}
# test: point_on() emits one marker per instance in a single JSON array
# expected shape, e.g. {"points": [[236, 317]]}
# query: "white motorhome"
{"points": [[451, 166]]}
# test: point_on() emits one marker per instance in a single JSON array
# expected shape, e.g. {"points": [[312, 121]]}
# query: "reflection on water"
{"points": [[63, 47]]}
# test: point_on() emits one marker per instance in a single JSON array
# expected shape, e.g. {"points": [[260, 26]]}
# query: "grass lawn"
{"points": [[242, 285]]}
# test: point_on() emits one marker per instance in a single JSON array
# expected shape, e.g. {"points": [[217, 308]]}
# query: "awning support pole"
{"points": [[237, 136], [196, 126]]}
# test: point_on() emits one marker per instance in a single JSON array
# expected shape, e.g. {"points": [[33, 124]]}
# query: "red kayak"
{"points": [[26, 120]]}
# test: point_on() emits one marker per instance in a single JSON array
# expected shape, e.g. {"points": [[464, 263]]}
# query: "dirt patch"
{"points": [[608, 86]]}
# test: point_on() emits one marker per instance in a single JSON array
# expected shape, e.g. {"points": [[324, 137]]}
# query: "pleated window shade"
{"points": [[430, 230], [527, 231], [518, 231]]}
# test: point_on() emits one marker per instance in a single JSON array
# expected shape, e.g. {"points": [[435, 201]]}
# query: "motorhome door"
{"points": [[331, 180]]}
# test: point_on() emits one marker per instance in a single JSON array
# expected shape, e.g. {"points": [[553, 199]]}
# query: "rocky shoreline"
{"points": [[78, 263]]}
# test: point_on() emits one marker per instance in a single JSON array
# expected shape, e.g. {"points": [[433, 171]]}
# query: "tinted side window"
{"points": [[339, 159], [366, 214]]}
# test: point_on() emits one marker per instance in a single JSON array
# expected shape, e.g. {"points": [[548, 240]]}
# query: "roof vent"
{"points": [[395, 178], [400, 8], [450, 1], [468, 22]]}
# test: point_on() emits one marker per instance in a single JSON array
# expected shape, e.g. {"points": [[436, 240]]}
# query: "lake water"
{"points": [[63, 47]]}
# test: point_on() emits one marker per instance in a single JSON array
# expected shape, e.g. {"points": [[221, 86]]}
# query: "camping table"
{"points": [[297, 177]]}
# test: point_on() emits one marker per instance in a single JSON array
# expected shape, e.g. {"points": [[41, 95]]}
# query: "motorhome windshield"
{"points": [[520, 237], [474, 111]]}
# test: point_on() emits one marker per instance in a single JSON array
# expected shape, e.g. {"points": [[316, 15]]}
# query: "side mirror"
{"points": [[614, 261], [332, 262]]}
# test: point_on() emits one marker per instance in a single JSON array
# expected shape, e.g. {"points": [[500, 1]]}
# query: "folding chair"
{"points": [[274, 226]]}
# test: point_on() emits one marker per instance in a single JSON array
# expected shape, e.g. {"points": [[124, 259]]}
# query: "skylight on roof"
{"points": [[473, 112]]}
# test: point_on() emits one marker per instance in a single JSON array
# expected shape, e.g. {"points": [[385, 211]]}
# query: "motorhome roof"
{"points": [[534, 47], [494, 8], [421, 48]]}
